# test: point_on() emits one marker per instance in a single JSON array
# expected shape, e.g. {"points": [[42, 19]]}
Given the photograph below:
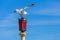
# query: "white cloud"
{"points": [[55, 12], [5, 33], [43, 22], [9, 20], [8, 34], [48, 8], [50, 36]]}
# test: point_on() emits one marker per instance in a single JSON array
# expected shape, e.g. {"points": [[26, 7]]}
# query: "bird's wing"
{"points": [[28, 6]]}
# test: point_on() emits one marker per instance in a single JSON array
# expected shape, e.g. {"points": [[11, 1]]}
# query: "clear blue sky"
{"points": [[43, 19]]}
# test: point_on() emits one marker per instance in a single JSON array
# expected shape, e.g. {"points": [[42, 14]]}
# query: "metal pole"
{"points": [[22, 34], [22, 37]]}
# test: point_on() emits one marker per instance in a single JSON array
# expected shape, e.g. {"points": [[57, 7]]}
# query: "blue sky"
{"points": [[43, 19]]}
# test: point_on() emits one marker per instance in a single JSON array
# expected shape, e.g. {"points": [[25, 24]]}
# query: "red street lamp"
{"points": [[22, 24]]}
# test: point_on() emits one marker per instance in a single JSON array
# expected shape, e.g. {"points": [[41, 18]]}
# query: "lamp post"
{"points": [[22, 28], [23, 21]]}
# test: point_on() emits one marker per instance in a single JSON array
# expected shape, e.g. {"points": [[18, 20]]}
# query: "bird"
{"points": [[22, 11]]}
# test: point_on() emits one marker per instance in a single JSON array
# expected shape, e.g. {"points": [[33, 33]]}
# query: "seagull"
{"points": [[22, 11]]}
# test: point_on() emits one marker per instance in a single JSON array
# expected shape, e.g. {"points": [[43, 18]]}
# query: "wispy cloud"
{"points": [[43, 22], [9, 20], [50, 36], [6, 33], [48, 8], [55, 12]]}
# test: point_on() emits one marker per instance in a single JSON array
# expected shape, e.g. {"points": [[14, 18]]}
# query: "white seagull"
{"points": [[22, 11]]}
